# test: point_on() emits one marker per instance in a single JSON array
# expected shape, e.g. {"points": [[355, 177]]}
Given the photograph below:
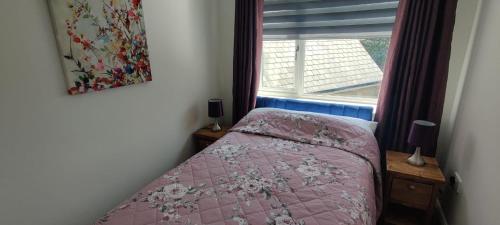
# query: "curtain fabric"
{"points": [[416, 72], [248, 37]]}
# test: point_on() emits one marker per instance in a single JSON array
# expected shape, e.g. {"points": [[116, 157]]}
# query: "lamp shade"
{"points": [[420, 132], [215, 109]]}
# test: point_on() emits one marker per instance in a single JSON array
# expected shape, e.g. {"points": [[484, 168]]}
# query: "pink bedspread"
{"points": [[275, 168]]}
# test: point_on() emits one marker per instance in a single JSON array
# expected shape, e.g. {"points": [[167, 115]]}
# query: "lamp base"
{"points": [[216, 126], [416, 159]]}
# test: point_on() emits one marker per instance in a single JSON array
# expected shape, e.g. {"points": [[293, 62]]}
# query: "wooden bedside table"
{"points": [[205, 136], [411, 191]]}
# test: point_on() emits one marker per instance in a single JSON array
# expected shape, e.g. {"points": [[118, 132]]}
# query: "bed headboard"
{"points": [[361, 112]]}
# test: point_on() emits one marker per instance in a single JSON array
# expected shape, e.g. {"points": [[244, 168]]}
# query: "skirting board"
{"points": [[442, 217]]}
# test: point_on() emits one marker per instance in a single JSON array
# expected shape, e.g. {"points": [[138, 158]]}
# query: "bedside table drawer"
{"points": [[202, 144], [205, 136], [410, 193]]}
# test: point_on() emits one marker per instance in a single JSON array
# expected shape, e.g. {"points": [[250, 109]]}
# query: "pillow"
{"points": [[310, 128], [365, 124]]}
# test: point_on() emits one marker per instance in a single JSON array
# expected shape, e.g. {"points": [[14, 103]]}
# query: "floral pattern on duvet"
{"points": [[277, 168]]}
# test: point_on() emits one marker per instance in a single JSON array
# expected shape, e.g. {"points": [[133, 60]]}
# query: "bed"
{"points": [[275, 167]]}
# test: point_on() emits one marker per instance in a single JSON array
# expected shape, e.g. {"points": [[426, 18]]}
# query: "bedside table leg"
{"points": [[386, 197]]}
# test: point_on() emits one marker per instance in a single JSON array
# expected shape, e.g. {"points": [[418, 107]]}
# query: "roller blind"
{"points": [[313, 19]]}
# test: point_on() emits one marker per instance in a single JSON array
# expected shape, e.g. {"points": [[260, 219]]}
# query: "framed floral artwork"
{"points": [[102, 43]]}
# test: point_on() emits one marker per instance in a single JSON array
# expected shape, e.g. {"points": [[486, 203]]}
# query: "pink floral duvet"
{"points": [[276, 167]]}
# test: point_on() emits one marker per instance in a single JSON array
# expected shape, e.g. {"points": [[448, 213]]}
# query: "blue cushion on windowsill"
{"points": [[361, 112]]}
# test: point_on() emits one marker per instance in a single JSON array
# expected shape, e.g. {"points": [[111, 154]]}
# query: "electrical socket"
{"points": [[457, 183]]}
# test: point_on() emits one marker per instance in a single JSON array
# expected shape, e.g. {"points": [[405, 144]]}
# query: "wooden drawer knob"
{"points": [[411, 187]]}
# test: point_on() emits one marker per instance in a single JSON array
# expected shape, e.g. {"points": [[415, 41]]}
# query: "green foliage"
{"points": [[377, 48]]}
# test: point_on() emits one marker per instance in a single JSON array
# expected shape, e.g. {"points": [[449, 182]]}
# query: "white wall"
{"points": [[68, 159], [474, 147], [225, 64], [463, 35]]}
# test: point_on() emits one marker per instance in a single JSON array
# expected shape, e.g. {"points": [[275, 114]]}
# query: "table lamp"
{"points": [[215, 111], [421, 131]]}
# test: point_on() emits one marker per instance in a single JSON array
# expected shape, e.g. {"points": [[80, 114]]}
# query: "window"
{"points": [[348, 70], [326, 49]]}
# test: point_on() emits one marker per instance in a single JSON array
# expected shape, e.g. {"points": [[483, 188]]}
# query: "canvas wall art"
{"points": [[102, 43]]}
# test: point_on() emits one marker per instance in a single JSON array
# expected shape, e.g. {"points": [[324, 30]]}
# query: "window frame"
{"points": [[298, 91]]}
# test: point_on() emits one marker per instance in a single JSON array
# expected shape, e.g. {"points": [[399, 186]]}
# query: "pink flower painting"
{"points": [[102, 42]]}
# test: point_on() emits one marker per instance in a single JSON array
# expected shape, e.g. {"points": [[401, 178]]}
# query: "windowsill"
{"points": [[357, 101]]}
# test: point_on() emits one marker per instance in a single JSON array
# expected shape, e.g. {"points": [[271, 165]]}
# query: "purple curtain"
{"points": [[248, 37], [416, 71]]}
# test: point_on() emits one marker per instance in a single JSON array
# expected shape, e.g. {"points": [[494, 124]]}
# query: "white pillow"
{"points": [[368, 125]]}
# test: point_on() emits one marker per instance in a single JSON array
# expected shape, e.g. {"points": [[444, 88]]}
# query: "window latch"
{"points": [[297, 49]]}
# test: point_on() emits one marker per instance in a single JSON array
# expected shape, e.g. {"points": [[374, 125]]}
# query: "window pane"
{"points": [[278, 67], [345, 67]]}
